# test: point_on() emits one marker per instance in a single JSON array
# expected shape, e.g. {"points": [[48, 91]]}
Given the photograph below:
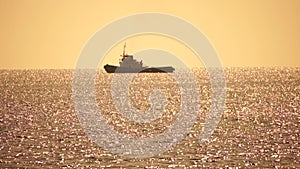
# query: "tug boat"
{"points": [[129, 65]]}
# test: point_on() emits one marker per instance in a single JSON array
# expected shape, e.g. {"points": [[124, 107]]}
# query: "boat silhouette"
{"points": [[130, 65]]}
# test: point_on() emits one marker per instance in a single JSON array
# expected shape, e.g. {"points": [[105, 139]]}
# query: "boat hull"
{"points": [[117, 69]]}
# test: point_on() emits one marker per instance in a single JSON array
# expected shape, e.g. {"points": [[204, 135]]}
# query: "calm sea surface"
{"points": [[259, 128]]}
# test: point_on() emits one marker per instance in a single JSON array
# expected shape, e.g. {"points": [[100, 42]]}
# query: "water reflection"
{"points": [[259, 128]]}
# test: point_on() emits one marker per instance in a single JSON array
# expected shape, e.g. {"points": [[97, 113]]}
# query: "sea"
{"points": [[259, 126]]}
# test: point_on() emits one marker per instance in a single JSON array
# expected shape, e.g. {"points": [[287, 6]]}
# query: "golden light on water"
{"points": [[40, 126], [259, 126]]}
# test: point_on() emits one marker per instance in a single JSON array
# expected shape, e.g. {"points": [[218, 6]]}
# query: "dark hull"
{"points": [[116, 69]]}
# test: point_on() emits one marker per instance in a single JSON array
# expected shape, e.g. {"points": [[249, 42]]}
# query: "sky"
{"points": [[51, 34]]}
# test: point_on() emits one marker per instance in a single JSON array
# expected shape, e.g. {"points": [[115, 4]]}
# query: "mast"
{"points": [[124, 49], [123, 56]]}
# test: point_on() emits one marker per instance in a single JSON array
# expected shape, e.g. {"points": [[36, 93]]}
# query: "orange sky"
{"points": [[52, 33]]}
